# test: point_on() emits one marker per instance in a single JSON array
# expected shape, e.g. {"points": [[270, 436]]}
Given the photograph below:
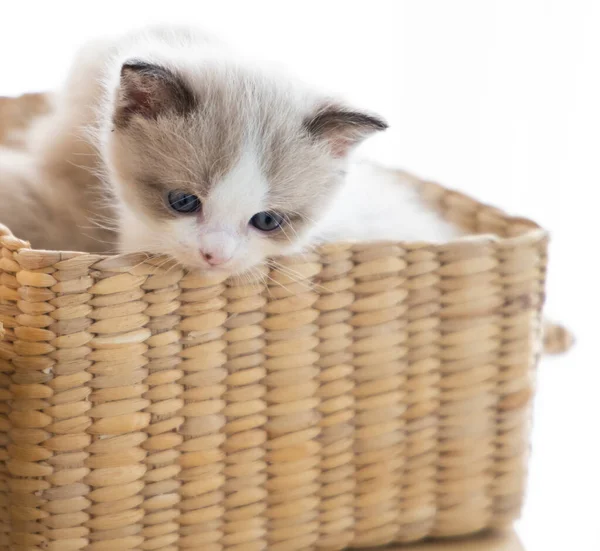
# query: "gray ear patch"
{"points": [[149, 91], [342, 127]]}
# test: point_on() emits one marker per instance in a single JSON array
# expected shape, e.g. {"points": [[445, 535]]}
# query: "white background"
{"points": [[500, 99]]}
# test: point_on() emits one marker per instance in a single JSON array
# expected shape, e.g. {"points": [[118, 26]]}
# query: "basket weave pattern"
{"points": [[372, 393], [375, 393]]}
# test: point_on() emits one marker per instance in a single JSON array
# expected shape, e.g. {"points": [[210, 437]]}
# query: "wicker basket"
{"points": [[378, 393]]}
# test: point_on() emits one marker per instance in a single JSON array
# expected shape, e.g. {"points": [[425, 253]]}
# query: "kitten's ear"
{"points": [[342, 127], [150, 90]]}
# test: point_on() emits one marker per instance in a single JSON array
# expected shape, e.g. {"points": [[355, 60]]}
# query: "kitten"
{"points": [[167, 142], [207, 157]]}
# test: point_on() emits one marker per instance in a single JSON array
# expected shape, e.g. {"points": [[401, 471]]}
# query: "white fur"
{"points": [[379, 204], [243, 192]]}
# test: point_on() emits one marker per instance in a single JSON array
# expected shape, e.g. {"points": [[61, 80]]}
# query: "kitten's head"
{"points": [[226, 166]]}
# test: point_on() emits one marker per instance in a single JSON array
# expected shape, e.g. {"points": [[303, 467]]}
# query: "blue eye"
{"points": [[183, 202], [266, 221]]}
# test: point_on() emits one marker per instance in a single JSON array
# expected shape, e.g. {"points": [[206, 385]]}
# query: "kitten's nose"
{"points": [[217, 247], [214, 259]]}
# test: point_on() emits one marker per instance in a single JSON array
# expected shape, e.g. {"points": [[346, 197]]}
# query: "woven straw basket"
{"points": [[380, 394]]}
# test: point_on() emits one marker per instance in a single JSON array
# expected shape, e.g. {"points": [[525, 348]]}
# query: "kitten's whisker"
{"points": [[97, 239], [297, 276], [285, 233], [75, 154], [294, 277], [101, 216], [89, 169], [277, 282], [148, 256], [108, 225], [303, 215], [285, 268], [261, 278]]}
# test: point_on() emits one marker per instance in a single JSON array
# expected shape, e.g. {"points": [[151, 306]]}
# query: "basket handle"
{"points": [[557, 339]]}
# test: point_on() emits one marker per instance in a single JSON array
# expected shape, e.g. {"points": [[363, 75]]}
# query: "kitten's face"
{"points": [[226, 170]]}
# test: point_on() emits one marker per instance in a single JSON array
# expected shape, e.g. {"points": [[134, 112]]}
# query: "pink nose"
{"points": [[214, 259]]}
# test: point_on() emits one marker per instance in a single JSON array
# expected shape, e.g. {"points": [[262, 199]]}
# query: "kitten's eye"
{"points": [[181, 201], [267, 221]]}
